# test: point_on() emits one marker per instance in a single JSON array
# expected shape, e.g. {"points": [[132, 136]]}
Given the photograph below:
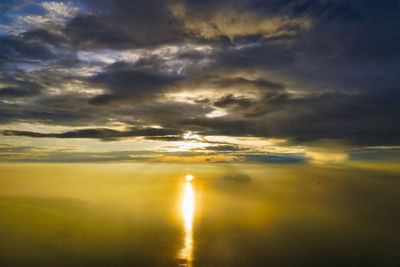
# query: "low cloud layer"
{"points": [[103, 134]]}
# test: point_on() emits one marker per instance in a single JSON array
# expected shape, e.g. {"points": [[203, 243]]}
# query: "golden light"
{"points": [[191, 136], [216, 113], [186, 252], [189, 177]]}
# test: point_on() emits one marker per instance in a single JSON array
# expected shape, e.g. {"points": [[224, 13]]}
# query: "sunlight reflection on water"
{"points": [[186, 252]]}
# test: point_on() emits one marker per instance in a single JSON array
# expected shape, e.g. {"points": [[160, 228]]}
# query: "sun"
{"points": [[189, 177]]}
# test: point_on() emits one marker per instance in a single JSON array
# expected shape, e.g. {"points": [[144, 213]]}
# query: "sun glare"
{"points": [[186, 252]]}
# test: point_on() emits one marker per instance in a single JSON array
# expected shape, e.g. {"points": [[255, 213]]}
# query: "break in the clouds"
{"points": [[200, 81]]}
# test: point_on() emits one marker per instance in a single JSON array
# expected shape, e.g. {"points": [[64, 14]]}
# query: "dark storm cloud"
{"points": [[323, 70], [21, 89], [103, 134], [129, 24], [169, 113], [222, 126], [44, 36], [368, 25], [386, 154], [225, 148], [166, 138], [272, 158], [17, 92], [349, 47], [74, 110], [11, 113], [130, 81], [242, 83], [361, 119], [90, 31], [14, 49], [230, 100], [124, 24], [102, 99], [66, 109]]}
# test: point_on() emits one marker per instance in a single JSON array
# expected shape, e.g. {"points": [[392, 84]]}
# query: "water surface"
{"points": [[149, 215]]}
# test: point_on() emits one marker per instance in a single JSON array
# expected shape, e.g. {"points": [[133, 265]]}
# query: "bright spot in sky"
{"points": [[190, 135], [216, 113], [189, 177]]}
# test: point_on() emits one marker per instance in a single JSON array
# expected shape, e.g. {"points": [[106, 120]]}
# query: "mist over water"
{"points": [[150, 215]]}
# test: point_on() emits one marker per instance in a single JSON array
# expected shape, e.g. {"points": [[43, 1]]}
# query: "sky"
{"points": [[244, 81]]}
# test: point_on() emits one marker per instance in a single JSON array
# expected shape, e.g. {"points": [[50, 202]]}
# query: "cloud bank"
{"points": [[270, 80]]}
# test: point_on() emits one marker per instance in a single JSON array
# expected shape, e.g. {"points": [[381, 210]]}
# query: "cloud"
{"points": [[195, 159], [123, 24], [89, 31], [16, 50], [243, 83], [125, 81], [22, 89], [66, 9], [361, 119], [102, 99], [300, 71], [375, 154], [231, 22], [326, 157], [55, 16], [103, 134], [272, 158], [230, 100], [225, 148], [166, 138], [34, 154]]}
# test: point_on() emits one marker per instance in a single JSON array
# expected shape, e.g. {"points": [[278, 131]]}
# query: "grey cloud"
{"points": [[385, 154], [169, 114], [37, 36], [23, 89], [230, 100], [336, 80], [272, 158], [103, 134], [124, 24], [126, 81], [242, 83], [171, 138], [225, 148], [24, 154], [16, 50], [222, 126], [10, 149], [202, 101], [362, 119], [102, 99], [91, 31], [16, 92]]}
